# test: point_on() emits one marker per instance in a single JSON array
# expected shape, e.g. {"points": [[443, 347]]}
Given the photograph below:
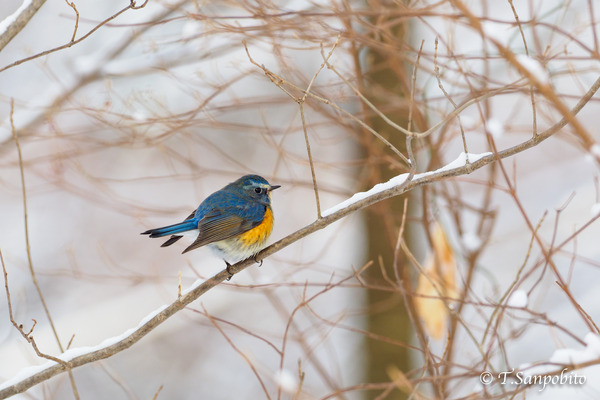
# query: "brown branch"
{"points": [[72, 5], [26, 335], [578, 307], [20, 21], [301, 102]]}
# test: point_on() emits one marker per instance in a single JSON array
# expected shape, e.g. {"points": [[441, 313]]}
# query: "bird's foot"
{"points": [[258, 261], [229, 270]]}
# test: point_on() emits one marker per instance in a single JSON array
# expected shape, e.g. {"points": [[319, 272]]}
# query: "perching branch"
{"points": [[14, 23]]}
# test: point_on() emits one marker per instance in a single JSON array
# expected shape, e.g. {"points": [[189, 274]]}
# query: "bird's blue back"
{"points": [[234, 198], [231, 200]]}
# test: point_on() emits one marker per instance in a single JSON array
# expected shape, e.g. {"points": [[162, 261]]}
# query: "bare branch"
{"points": [[13, 24]]}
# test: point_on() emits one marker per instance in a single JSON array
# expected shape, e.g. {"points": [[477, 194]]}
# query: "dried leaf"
{"points": [[399, 379], [436, 280]]}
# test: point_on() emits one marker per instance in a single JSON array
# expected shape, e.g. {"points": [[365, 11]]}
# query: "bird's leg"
{"points": [[228, 270], [258, 262]]}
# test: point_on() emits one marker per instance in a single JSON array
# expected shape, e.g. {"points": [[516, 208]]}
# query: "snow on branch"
{"points": [[398, 180], [12, 25]]}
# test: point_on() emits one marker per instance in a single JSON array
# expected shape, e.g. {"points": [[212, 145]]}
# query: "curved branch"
{"points": [[401, 184]]}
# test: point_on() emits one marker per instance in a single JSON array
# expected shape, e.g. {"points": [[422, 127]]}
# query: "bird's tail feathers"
{"points": [[172, 229]]}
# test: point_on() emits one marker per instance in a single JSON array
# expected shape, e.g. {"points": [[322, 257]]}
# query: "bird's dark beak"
{"points": [[273, 187]]}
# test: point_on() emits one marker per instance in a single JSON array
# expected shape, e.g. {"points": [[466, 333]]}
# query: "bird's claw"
{"points": [[229, 271], [258, 261]]}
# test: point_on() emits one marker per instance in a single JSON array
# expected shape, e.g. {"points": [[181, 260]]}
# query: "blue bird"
{"points": [[234, 221]]}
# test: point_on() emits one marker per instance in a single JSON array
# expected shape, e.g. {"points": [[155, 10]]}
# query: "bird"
{"points": [[234, 221]]}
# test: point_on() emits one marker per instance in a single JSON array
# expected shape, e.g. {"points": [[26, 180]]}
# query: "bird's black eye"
{"points": [[258, 190]]}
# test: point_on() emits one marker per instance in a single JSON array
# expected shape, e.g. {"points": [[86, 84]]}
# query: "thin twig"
{"points": [[531, 86], [72, 5], [578, 307], [26, 335], [160, 388], [436, 70], [301, 375], [28, 248], [413, 87], [310, 159], [400, 238], [301, 104]]}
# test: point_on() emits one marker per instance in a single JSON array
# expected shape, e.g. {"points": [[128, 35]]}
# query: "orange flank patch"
{"points": [[259, 234]]}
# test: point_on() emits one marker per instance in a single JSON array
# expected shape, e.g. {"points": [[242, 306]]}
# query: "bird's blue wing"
{"points": [[225, 222]]}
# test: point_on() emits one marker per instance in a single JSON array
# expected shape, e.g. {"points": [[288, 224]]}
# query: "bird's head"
{"points": [[255, 187]]}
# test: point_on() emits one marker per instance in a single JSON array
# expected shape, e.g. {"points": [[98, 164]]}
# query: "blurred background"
{"points": [[133, 126]]}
